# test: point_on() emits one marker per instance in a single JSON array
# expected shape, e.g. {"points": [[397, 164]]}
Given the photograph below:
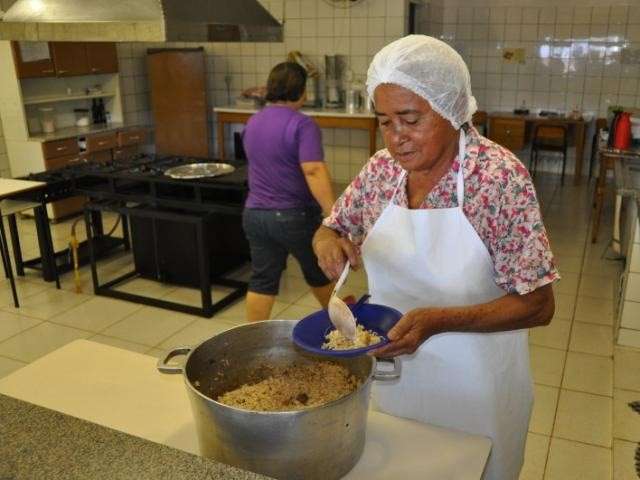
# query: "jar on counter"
{"points": [[47, 119]]}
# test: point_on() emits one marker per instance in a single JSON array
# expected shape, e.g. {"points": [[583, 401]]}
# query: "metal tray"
{"points": [[199, 170]]}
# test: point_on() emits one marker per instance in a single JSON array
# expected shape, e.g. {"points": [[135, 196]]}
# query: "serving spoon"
{"points": [[339, 313]]}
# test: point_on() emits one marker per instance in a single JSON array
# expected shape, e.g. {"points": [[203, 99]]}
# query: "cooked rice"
{"points": [[334, 340], [294, 387]]}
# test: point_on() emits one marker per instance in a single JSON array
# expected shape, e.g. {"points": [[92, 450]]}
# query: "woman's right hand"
{"points": [[332, 252]]}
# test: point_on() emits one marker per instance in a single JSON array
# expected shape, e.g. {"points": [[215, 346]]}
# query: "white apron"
{"points": [[475, 382]]}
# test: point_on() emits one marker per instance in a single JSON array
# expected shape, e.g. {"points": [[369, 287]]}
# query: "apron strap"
{"points": [[400, 180], [460, 178]]}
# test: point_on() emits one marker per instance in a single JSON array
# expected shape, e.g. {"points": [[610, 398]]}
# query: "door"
{"points": [[102, 57], [69, 58], [33, 59], [179, 102]]}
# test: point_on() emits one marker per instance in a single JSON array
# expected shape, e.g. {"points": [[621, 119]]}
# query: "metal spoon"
{"points": [[339, 313]]}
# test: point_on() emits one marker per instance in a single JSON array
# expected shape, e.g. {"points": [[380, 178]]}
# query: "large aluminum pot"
{"points": [[322, 442]]}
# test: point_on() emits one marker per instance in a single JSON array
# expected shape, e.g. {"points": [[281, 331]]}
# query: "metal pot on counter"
{"points": [[322, 442]]}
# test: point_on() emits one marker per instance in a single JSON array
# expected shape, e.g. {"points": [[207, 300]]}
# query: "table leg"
{"points": [[15, 241], [598, 198], [580, 127], [220, 134], [7, 261]]}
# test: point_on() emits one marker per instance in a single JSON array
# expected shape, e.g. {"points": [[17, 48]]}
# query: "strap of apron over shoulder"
{"points": [[460, 176]]}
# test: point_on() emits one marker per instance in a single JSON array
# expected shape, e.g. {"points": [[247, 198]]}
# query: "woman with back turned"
{"points": [[289, 191]]}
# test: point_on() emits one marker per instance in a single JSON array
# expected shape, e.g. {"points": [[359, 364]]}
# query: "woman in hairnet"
{"points": [[449, 228]]}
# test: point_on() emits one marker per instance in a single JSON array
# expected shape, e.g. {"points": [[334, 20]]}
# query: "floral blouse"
{"points": [[499, 201]]}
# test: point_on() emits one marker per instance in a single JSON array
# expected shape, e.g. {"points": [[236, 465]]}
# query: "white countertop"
{"points": [[10, 186], [124, 391], [312, 112]]}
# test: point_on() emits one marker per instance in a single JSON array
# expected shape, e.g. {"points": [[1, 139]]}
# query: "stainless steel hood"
{"points": [[145, 20]]}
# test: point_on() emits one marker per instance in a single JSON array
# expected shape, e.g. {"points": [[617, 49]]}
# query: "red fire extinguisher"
{"points": [[622, 131]]}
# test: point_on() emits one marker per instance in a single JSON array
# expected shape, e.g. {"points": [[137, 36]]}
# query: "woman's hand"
{"points": [[332, 251], [413, 329]]}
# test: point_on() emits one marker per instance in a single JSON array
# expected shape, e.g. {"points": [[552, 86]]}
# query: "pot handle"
{"points": [[387, 375], [162, 364]]}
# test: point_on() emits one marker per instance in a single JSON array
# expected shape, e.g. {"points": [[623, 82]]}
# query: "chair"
{"points": [[479, 120], [601, 123], [549, 138], [9, 209]]}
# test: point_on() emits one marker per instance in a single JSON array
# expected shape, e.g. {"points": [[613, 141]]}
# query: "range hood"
{"points": [[143, 20]]}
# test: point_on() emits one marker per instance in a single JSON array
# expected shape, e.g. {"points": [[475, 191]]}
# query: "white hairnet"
{"points": [[429, 68]]}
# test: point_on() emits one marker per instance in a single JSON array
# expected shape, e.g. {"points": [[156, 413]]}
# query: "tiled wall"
{"points": [[311, 26], [577, 56]]}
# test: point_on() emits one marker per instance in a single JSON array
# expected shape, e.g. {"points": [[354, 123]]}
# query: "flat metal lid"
{"points": [[199, 170]]}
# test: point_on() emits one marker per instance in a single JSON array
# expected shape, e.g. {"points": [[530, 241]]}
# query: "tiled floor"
{"points": [[581, 427]]}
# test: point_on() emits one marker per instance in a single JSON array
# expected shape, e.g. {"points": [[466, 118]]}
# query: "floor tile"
{"points": [[24, 288], [48, 303], [149, 326], [155, 352], [535, 457], [567, 285], [596, 286], [584, 417], [39, 340], [145, 287], [11, 324], [8, 366], [544, 409], [96, 314], [589, 338], [588, 373], [118, 342], [576, 461], [569, 264], [192, 296], [554, 335], [565, 305], [196, 332], [626, 422], [547, 365], [594, 310], [598, 266], [297, 312], [291, 289], [624, 467], [626, 371]]}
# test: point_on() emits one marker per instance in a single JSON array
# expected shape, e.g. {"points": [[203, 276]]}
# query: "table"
{"points": [[324, 117], [578, 125], [123, 390], [609, 159], [10, 187]]}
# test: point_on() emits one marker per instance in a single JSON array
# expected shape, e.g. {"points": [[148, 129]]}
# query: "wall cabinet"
{"points": [[69, 59], [26, 68], [102, 57]]}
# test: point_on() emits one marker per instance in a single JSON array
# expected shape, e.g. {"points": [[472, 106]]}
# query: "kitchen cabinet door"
{"points": [[69, 58], [102, 57], [29, 61]]}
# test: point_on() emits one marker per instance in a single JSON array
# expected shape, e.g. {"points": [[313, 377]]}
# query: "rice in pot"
{"points": [[295, 387]]}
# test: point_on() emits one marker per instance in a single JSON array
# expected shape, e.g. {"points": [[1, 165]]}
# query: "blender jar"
{"points": [[47, 119]]}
